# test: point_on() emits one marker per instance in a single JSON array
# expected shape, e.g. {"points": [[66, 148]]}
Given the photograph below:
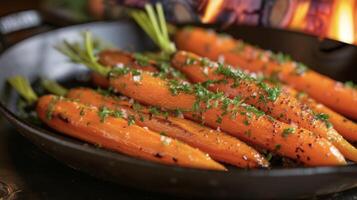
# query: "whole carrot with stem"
{"points": [[115, 134], [270, 99], [107, 128], [124, 80], [342, 125], [244, 121], [116, 58], [218, 145], [323, 89], [197, 103]]}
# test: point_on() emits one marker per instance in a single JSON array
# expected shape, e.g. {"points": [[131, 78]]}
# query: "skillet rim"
{"points": [[72, 143]]}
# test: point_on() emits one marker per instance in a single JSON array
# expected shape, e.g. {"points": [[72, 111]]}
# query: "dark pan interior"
{"points": [[36, 57]]}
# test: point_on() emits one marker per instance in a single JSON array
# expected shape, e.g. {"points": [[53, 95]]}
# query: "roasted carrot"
{"points": [[279, 104], [103, 129], [218, 145], [247, 123], [331, 93], [344, 126], [196, 102], [117, 58]]}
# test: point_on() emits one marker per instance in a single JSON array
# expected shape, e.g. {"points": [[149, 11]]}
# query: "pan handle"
{"points": [[16, 22]]}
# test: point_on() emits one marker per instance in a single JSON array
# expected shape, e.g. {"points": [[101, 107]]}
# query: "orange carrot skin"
{"points": [[263, 131], [112, 58], [218, 145], [344, 126], [83, 122], [323, 89], [331, 93], [285, 108]]}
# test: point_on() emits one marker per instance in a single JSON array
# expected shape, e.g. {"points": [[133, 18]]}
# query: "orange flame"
{"points": [[212, 10], [341, 24], [299, 18]]}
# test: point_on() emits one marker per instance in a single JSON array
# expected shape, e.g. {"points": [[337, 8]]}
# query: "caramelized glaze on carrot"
{"points": [[259, 129], [87, 123], [218, 145], [331, 93]]}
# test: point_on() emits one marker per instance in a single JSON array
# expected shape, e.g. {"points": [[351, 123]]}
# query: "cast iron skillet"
{"points": [[35, 57]]}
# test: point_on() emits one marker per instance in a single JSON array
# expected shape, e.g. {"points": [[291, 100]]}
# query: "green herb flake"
{"points": [[154, 111], [141, 59], [81, 112], [219, 120], [350, 84], [205, 61], [254, 110], [51, 107], [277, 147], [137, 106], [281, 58], [190, 61], [324, 118], [288, 131], [272, 92], [131, 120], [269, 156], [105, 112], [300, 95], [300, 68], [178, 113], [246, 122], [176, 87]]}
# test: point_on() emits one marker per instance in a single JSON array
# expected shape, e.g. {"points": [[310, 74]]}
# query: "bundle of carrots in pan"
{"points": [[178, 108]]}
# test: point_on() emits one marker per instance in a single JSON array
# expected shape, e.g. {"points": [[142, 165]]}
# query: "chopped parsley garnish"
{"points": [[141, 59], [254, 110], [277, 147], [81, 112], [300, 68], [51, 107], [300, 95], [176, 87], [238, 75], [269, 156], [205, 61], [137, 106], [229, 72], [190, 61], [246, 122], [350, 84], [281, 58], [131, 120], [103, 92], [105, 112], [324, 118], [288, 131], [154, 111], [119, 71], [177, 113], [272, 92], [219, 120]]}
